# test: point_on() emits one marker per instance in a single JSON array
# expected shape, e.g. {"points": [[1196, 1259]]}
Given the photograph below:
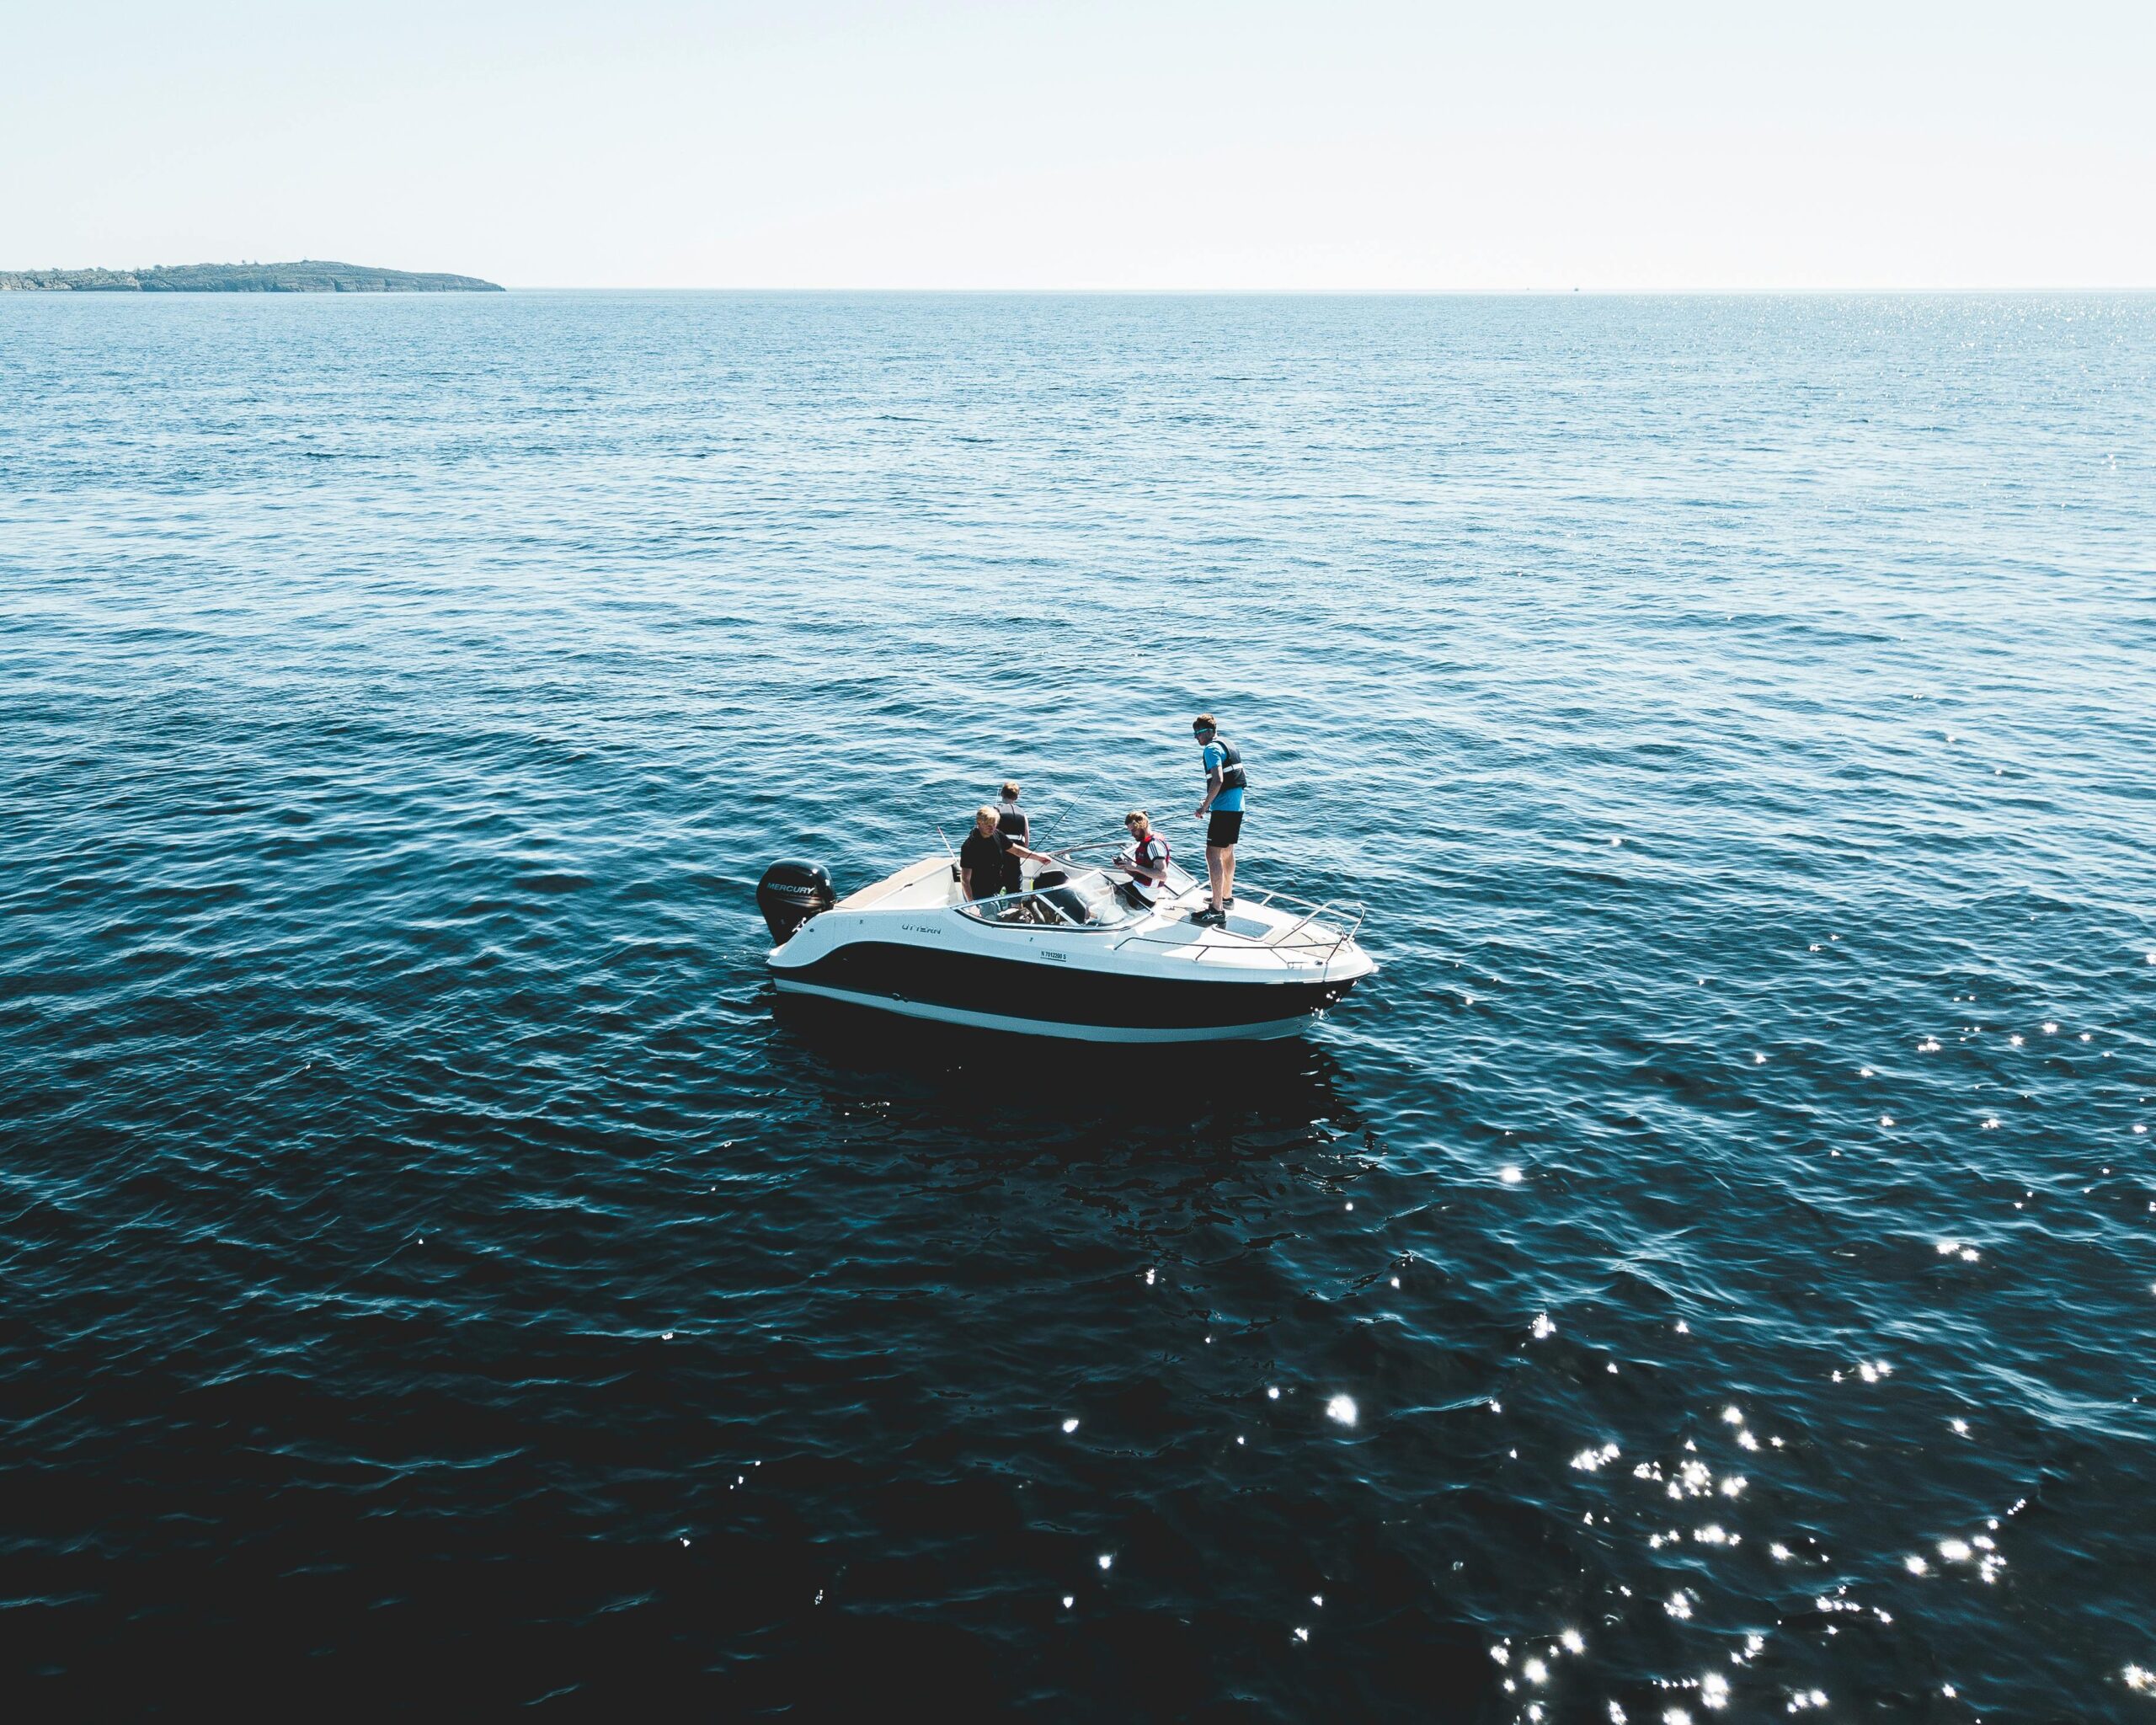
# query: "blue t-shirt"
{"points": [[1229, 802]]}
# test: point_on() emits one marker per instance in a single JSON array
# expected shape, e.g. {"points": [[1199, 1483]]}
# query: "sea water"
{"points": [[1713, 1263]]}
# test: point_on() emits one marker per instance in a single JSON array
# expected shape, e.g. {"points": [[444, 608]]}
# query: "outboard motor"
{"points": [[789, 894]]}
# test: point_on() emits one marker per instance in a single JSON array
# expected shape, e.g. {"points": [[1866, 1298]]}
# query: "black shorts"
{"points": [[1227, 828]]}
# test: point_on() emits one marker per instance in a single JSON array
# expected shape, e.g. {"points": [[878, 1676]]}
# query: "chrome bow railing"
{"points": [[1306, 939]]}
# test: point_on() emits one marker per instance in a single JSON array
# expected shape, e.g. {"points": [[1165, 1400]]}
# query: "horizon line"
{"points": [[1523, 292]]}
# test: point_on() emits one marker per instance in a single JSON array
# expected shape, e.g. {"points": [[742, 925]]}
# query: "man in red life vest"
{"points": [[1148, 864]]}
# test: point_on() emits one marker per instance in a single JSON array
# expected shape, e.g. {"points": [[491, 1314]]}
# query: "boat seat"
{"points": [[1071, 902]]}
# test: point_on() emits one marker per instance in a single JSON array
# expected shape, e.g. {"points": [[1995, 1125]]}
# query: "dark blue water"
{"points": [[433, 1276]]}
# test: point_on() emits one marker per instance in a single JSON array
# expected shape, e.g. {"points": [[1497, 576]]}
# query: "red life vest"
{"points": [[1139, 855]]}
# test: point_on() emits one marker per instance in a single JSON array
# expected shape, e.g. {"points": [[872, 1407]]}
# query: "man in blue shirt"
{"points": [[1224, 781]]}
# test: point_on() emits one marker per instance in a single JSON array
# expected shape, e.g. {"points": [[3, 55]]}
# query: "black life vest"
{"points": [[1232, 775]]}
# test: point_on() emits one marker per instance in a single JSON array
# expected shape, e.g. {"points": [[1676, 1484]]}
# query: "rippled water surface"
{"points": [[1713, 1265]]}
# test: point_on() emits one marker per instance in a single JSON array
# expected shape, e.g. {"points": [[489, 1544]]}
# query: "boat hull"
{"points": [[1049, 999], [928, 1012]]}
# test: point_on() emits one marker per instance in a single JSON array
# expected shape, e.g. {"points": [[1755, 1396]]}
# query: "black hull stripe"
{"points": [[1016, 988]]}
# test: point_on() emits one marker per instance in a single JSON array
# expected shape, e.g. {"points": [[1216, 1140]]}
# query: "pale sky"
{"points": [[815, 143]]}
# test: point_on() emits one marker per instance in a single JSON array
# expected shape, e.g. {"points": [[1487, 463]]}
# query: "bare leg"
{"points": [[1218, 862], [1227, 872]]}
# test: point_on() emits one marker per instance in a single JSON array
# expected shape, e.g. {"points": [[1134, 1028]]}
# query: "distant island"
{"points": [[309, 275]]}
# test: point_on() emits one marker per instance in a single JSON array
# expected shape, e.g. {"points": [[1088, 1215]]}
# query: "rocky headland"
{"points": [[309, 275]]}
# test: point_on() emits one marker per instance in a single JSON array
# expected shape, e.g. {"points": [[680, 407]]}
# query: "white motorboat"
{"points": [[1081, 954]]}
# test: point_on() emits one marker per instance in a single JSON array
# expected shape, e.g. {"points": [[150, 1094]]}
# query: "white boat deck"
{"points": [[1268, 929], [925, 885]]}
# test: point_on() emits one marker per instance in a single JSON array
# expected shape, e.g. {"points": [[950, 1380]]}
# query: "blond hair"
{"points": [[988, 812], [1138, 815], [1011, 789]]}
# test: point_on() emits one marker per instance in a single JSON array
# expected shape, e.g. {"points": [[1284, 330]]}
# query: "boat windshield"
{"points": [[1085, 900]]}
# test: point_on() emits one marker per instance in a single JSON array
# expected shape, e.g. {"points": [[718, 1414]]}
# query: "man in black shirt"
{"points": [[981, 858]]}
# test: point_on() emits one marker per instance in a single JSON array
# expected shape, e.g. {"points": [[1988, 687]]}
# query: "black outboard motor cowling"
{"points": [[789, 894]]}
